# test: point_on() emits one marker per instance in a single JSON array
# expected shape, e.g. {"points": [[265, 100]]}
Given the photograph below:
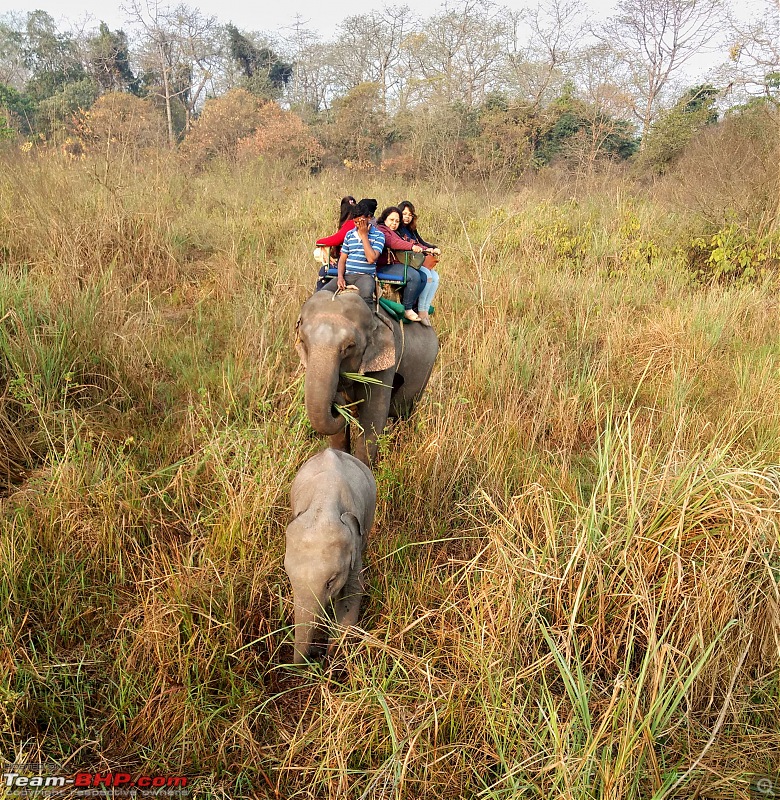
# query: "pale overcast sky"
{"points": [[277, 16], [257, 15]]}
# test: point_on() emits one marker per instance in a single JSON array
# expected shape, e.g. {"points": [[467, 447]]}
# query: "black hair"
{"points": [[386, 213], [363, 209], [345, 212], [370, 203], [412, 226]]}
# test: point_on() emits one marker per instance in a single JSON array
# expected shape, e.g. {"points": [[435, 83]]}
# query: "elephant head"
{"points": [[338, 333], [333, 501], [320, 557]]}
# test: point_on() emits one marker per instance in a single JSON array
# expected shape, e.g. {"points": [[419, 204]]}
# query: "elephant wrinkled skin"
{"points": [[333, 499], [341, 334]]}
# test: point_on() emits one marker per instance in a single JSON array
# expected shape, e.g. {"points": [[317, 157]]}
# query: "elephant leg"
{"points": [[373, 417], [340, 441], [405, 397], [415, 369]]}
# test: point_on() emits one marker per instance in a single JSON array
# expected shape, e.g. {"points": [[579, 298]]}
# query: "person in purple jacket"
{"points": [[408, 231], [388, 222]]}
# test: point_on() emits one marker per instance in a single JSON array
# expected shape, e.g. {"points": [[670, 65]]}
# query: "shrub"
{"points": [[61, 110], [123, 119], [224, 122], [556, 234], [729, 171], [17, 111], [281, 135], [668, 137], [359, 129], [6, 131], [731, 255]]}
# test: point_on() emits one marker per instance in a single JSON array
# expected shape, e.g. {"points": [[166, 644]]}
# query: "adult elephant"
{"points": [[340, 333]]}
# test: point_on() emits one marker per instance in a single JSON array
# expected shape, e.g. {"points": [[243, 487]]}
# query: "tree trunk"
{"points": [[167, 90]]}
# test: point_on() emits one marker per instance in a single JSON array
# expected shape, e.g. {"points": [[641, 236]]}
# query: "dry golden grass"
{"points": [[574, 571]]}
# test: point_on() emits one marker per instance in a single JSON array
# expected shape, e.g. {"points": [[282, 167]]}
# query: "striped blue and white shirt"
{"points": [[356, 256]]}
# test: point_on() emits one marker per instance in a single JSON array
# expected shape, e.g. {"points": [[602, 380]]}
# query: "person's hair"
{"points": [[363, 209], [347, 205], [380, 220], [371, 203], [406, 204]]}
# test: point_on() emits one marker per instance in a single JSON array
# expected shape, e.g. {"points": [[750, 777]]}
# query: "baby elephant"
{"points": [[333, 501]]}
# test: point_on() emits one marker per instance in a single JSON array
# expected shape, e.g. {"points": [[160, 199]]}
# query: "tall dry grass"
{"points": [[574, 571]]}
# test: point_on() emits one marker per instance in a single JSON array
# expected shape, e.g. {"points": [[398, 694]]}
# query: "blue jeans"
{"points": [[429, 290], [414, 283]]}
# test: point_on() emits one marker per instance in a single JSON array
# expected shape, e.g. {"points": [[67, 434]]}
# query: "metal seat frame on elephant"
{"points": [[407, 258]]}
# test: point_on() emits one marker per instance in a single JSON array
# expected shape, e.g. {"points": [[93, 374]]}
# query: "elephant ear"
{"points": [[380, 350], [352, 522], [299, 348]]}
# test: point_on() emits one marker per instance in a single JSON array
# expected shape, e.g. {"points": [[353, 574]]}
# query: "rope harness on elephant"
{"points": [[403, 342], [349, 288]]}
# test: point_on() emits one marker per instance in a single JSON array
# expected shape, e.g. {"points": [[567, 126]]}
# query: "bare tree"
{"points": [[460, 54], [315, 81], [312, 83], [199, 43], [539, 66], [107, 56], [755, 51], [369, 50], [14, 71], [181, 48], [602, 83], [653, 40]]}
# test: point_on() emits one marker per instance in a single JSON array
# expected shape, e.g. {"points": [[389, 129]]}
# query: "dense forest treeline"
{"points": [[476, 88]]}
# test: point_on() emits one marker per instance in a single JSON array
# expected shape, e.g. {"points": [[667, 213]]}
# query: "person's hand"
{"points": [[361, 226], [342, 283], [416, 248], [436, 251]]}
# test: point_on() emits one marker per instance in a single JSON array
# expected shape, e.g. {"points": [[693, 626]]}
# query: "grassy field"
{"points": [[574, 574]]}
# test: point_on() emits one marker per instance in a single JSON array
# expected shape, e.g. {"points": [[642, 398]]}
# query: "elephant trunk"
{"points": [[322, 379], [307, 627]]}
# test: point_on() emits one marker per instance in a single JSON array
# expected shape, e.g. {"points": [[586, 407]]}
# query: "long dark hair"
{"points": [[345, 212], [412, 226], [380, 220]]}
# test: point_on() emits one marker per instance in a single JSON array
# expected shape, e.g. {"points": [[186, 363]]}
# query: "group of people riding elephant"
{"points": [[343, 332], [365, 245]]}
